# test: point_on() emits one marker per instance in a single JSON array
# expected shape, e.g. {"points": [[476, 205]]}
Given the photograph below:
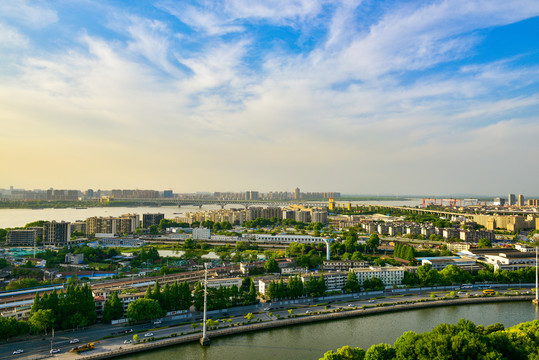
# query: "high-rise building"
{"points": [[521, 200], [251, 195], [56, 233], [511, 200], [499, 201], [151, 219], [297, 194]]}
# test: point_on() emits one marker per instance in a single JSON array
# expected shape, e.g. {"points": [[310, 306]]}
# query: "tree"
{"points": [[373, 242], [352, 284], [427, 275], [380, 352], [42, 320], [154, 230], [249, 317], [252, 292], [271, 266], [143, 310], [484, 243], [113, 309], [136, 338]]}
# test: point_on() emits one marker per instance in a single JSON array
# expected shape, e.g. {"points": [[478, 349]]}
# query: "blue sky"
{"points": [[389, 97]]}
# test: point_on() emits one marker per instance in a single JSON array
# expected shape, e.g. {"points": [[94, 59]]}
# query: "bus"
{"points": [[488, 292]]}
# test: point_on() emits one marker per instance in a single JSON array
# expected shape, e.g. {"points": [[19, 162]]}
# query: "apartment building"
{"points": [[56, 233]]}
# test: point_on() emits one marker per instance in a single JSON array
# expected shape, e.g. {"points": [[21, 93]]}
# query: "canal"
{"points": [[312, 340]]}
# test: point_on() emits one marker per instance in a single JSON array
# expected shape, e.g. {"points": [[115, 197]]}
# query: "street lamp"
{"points": [[536, 300]]}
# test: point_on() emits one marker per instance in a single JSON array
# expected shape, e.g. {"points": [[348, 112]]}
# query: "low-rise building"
{"points": [[389, 275], [21, 238], [344, 265], [228, 282]]}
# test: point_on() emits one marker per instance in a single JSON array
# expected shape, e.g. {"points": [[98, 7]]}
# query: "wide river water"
{"points": [[312, 340], [10, 218]]}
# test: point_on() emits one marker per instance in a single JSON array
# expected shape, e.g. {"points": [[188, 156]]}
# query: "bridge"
{"points": [[426, 211], [223, 203]]}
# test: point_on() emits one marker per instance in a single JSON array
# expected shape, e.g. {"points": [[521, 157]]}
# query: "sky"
{"points": [[360, 97]]}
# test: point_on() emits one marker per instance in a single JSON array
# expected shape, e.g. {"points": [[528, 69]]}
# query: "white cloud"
{"points": [[12, 38], [28, 13]]}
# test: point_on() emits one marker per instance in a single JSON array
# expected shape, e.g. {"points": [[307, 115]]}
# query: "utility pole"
{"points": [[205, 341]]}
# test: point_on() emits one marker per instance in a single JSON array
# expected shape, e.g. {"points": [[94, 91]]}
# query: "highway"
{"points": [[39, 347]]}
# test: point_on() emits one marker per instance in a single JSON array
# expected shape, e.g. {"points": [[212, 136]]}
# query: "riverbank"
{"points": [[299, 320]]}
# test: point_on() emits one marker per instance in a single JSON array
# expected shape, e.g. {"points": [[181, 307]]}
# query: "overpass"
{"points": [[223, 203]]}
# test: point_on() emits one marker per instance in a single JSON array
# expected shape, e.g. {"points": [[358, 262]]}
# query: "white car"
{"points": [[350, 305], [18, 351], [55, 351], [267, 309], [128, 341], [371, 301], [157, 322], [148, 334], [74, 341]]}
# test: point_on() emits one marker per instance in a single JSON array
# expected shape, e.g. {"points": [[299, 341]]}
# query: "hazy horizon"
{"points": [[376, 97]]}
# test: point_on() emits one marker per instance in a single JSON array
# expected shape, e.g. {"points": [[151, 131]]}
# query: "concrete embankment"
{"points": [[304, 319]]}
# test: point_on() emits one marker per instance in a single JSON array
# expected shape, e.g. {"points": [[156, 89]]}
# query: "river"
{"points": [[10, 218], [312, 340]]}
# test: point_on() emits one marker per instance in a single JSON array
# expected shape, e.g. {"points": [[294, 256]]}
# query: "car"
{"points": [[461, 292], [74, 341], [18, 351], [371, 301], [128, 331], [128, 341], [267, 309], [148, 334], [55, 351], [350, 305], [158, 322]]}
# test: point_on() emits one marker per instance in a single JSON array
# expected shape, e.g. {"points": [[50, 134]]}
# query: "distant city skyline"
{"points": [[384, 97], [290, 192]]}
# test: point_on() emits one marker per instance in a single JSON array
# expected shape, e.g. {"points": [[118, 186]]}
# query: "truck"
{"points": [[83, 348]]}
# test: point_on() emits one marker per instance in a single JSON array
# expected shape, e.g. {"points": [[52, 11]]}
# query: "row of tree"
{"points": [[74, 308], [404, 251], [464, 340], [296, 288], [451, 274]]}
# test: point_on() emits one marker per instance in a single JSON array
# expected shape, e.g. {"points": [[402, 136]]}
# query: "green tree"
{"points": [[113, 309], [380, 352], [271, 266], [143, 310], [42, 320], [484, 243], [373, 242], [352, 284], [249, 317]]}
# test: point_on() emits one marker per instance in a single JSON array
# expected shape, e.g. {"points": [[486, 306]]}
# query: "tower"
{"points": [[297, 194]]}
